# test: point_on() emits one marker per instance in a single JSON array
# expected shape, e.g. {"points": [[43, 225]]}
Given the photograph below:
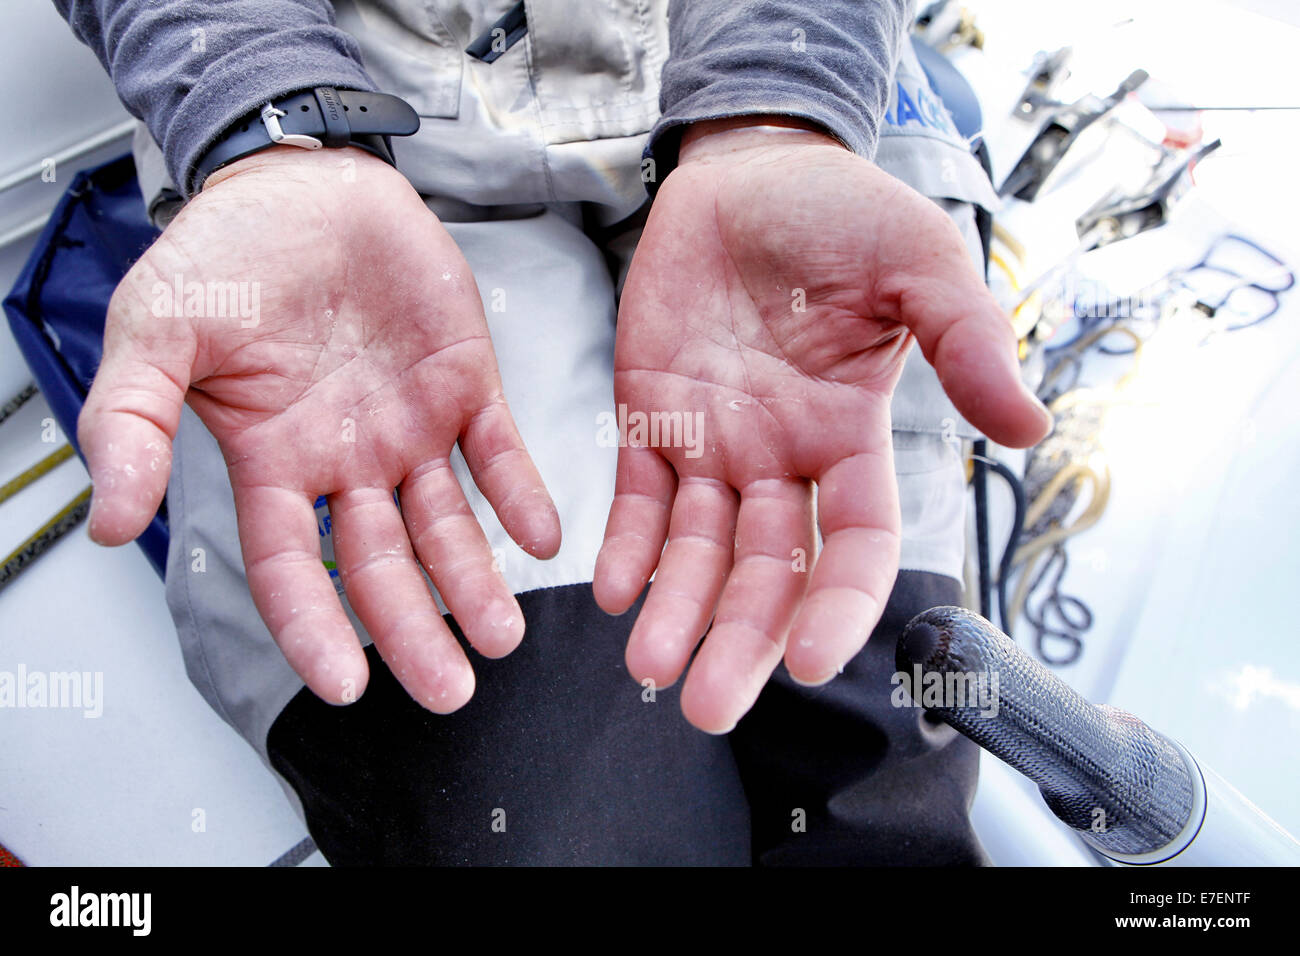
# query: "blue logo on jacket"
{"points": [[920, 107]]}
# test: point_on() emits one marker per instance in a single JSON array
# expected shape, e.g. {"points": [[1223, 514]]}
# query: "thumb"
{"points": [[126, 427], [965, 335]]}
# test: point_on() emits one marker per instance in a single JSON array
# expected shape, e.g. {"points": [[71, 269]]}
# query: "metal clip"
{"points": [[1046, 74], [1057, 135], [271, 120], [1121, 215]]}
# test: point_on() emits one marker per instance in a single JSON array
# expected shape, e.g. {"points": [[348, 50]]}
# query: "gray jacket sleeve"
{"points": [[828, 61], [190, 68]]}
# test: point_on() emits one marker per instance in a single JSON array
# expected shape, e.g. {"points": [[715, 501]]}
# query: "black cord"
{"points": [[1273, 292], [18, 401], [1073, 616], [1087, 322], [982, 526], [1075, 361], [1013, 539], [1071, 630], [1256, 247]]}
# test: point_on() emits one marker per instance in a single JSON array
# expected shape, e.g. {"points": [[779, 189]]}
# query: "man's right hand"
{"points": [[360, 357]]}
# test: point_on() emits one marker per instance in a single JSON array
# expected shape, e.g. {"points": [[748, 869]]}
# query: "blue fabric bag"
{"points": [[57, 306]]}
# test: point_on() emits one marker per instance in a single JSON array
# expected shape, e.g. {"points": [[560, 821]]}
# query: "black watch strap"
{"points": [[323, 117]]}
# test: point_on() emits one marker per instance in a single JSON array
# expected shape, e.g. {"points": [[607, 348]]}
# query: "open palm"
{"points": [[365, 360], [775, 292]]}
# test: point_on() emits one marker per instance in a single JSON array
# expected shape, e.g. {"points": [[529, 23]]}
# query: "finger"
{"points": [[505, 473], [390, 596], [676, 613], [857, 507], [965, 335], [753, 617], [130, 417], [294, 594], [455, 551], [636, 527]]}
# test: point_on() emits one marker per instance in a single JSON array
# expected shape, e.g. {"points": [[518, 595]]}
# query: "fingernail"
{"points": [[1043, 412], [818, 682], [506, 617], [90, 517]]}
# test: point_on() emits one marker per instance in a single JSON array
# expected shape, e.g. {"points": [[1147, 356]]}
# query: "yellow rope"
{"points": [[46, 464], [68, 518]]}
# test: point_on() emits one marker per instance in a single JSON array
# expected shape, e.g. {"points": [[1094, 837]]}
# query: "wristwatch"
{"points": [[323, 117]]}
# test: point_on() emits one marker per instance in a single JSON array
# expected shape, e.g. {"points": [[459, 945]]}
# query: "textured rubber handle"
{"points": [[1100, 769]]}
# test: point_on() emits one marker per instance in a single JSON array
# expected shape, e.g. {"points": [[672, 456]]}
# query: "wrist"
{"points": [[349, 158], [322, 117], [712, 138]]}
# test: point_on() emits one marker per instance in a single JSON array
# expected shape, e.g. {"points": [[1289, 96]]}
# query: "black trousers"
{"points": [[559, 759]]}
